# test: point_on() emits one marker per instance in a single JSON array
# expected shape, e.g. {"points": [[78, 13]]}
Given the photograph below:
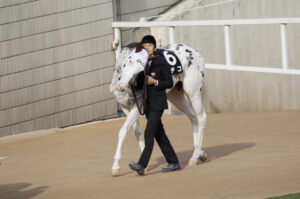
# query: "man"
{"points": [[159, 78]]}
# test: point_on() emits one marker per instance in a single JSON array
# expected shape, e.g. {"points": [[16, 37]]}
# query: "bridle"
{"points": [[142, 108]]}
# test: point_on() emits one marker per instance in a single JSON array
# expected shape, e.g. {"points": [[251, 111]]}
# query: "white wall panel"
{"points": [[9, 3], [55, 22], [53, 39], [58, 71], [55, 55], [55, 64], [43, 8]]}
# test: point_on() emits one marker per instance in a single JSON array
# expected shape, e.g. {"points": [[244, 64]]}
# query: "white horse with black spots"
{"points": [[189, 96]]}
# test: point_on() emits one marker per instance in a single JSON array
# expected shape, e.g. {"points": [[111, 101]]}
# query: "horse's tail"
{"points": [[205, 97]]}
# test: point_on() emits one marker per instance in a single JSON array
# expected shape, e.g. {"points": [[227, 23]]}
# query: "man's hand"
{"points": [[151, 80]]}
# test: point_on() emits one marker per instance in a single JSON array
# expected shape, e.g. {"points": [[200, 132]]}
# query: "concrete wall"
{"points": [[252, 45], [260, 44], [56, 63], [133, 10]]}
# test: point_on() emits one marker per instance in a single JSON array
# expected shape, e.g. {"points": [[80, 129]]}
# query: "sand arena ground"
{"points": [[250, 155]]}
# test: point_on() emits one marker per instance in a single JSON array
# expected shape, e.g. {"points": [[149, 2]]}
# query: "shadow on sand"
{"points": [[213, 152], [19, 191]]}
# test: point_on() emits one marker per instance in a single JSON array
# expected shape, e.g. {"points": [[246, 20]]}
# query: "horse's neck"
{"points": [[118, 67]]}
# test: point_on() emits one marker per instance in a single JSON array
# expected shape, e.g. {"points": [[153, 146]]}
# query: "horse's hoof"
{"points": [[115, 172], [193, 162], [203, 157]]}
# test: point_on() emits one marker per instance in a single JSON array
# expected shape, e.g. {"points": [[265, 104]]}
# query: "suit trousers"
{"points": [[155, 129]]}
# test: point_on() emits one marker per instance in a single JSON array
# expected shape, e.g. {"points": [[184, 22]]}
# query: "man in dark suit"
{"points": [[159, 79]]}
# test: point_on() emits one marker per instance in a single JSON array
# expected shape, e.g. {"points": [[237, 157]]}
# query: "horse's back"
{"points": [[188, 56]]}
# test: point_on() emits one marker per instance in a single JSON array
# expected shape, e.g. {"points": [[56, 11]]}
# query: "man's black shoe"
{"points": [[171, 167], [137, 167]]}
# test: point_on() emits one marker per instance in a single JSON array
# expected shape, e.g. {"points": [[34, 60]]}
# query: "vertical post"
{"points": [[171, 41], [227, 46], [114, 10], [284, 49], [117, 42], [171, 35]]}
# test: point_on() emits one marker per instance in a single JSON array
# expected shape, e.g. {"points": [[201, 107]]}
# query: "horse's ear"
{"points": [[139, 47]]}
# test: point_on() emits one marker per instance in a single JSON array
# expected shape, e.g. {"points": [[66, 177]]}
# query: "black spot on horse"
{"points": [[189, 57], [179, 86], [202, 73], [178, 46], [188, 51], [167, 46]]}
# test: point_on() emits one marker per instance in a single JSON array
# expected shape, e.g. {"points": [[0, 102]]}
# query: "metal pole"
{"points": [[117, 42], [171, 35], [171, 41], [227, 46], [114, 10], [284, 48]]}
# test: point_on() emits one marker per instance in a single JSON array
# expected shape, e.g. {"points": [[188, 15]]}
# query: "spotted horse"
{"points": [[188, 94]]}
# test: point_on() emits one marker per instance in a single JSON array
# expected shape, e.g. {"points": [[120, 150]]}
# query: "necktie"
{"points": [[145, 87]]}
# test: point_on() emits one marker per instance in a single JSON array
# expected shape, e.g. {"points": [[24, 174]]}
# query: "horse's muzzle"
{"points": [[120, 87]]}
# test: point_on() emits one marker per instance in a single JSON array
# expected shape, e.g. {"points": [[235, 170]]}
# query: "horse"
{"points": [[188, 94]]}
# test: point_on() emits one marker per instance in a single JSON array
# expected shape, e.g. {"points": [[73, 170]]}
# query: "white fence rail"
{"points": [[282, 23]]}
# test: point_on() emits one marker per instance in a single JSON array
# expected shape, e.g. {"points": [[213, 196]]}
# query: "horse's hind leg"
{"points": [[178, 98], [193, 92]]}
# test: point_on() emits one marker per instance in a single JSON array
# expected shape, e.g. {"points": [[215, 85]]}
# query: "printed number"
{"points": [[179, 69], [170, 58], [172, 69]]}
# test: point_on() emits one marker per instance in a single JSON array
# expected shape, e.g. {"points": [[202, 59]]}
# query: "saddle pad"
{"points": [[172, 60]]}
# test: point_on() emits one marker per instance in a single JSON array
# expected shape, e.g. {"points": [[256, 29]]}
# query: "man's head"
{"points": [[149, 44]]}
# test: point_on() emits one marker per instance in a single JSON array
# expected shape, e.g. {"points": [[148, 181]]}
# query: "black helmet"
{"points": [[149, 39]]}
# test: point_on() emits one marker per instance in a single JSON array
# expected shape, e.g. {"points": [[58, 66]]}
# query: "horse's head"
{"points": [[132, 65]]}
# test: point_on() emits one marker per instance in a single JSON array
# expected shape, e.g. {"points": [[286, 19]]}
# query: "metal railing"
{"points": [[282, 22]]}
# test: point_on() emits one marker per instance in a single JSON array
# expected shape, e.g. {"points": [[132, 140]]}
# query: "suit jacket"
{"points": [[160, 70]]}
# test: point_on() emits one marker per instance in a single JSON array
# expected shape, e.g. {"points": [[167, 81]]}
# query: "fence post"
{"points": [[227, 45], [171, 35], [117, 42], [284, 49], [171, 41]]}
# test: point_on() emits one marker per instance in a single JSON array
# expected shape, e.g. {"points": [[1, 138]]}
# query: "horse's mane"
{"points": [[138, 46], [132, 45]]}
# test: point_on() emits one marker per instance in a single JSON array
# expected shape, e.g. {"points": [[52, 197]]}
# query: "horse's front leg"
{"points": [[132, 117], [139, 134], [137, 130]]}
